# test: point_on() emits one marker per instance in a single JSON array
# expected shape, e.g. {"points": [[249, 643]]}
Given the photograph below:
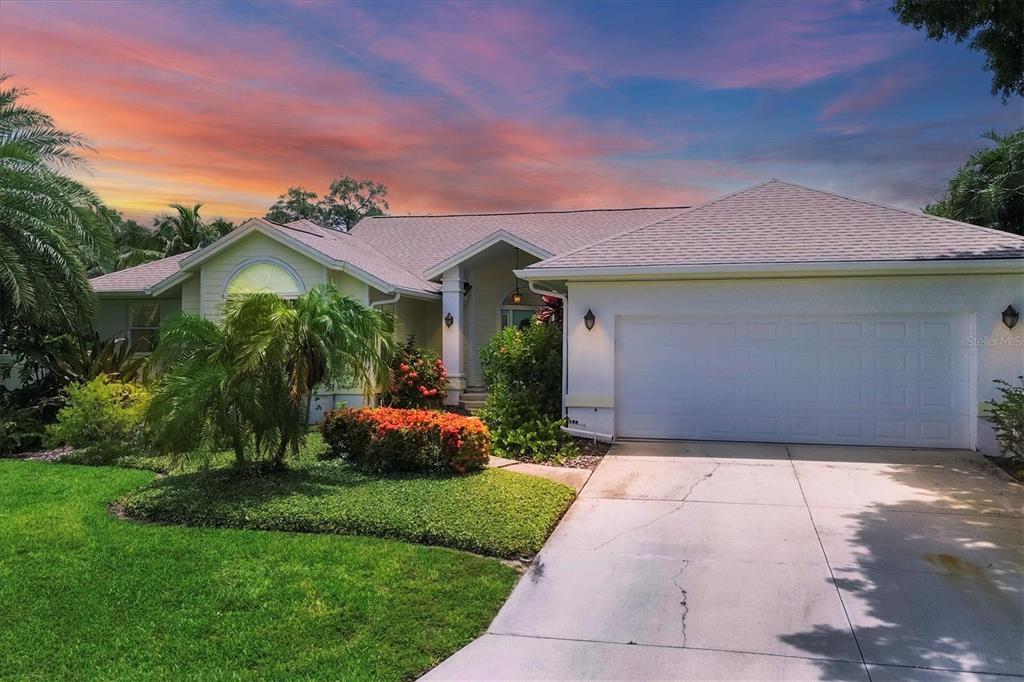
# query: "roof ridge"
{"points": [[916, 214], [349, 233], [572, 210], [631, 230]]}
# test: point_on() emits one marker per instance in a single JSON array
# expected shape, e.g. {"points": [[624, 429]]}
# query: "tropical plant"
{"points": [[988, 190], [248, 382], [103, 415], [20, 428], [346, 203], [418, 378], [47, 219], [185, 230], [1007, 414], [523, 369]]}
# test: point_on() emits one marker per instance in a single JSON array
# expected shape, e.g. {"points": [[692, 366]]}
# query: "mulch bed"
{"points": [[53, 455], [1014, 467]]}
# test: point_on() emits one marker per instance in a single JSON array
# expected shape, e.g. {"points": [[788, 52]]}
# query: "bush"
{"points": [[103, 415], [386, 439], [418, 378], [1008, 418], [523, 369]]}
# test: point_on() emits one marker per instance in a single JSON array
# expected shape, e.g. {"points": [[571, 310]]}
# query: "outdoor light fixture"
{"points": [[1010, 317], [589, 319], [466, 288], [449, 320]]}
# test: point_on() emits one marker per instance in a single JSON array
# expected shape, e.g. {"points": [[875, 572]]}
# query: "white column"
{"points": [[453, 337]]}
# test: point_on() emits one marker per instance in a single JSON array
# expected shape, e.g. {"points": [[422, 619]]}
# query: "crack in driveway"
{"points": [[684, 603], [659, 517]]}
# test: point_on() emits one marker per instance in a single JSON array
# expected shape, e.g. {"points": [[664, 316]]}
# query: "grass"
{"points": [[493, 512], [84, 595]]}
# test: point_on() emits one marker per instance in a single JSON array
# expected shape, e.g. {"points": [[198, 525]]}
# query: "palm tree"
{"points": [[249, 382], [988, 189], [47, 220]]}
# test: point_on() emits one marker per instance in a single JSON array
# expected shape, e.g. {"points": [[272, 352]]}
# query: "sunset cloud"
{"points": [[467, 107]]}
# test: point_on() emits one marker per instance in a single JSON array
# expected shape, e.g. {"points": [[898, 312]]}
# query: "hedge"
{"points": [[387, 439]]}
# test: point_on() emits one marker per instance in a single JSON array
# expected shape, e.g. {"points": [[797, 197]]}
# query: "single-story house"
{"points": [[776, 313]]}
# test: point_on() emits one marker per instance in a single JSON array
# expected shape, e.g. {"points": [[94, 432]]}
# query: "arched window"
{"points": [[518, 314], [265, 275]]}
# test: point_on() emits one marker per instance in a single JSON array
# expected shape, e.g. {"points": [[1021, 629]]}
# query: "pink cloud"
{"points": [[866, 97]]}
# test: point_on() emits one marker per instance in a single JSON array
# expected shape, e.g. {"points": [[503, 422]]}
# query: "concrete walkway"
{"points": [[770, 562], [572, 477]]}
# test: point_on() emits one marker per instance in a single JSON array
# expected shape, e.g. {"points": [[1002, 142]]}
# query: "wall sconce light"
{"points": [[589, 319], [1010, 317], [517, 297], [449, 320], [466, 288]]}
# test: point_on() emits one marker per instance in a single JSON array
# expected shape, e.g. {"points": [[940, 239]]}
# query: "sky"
{"points": [[486, 107]]}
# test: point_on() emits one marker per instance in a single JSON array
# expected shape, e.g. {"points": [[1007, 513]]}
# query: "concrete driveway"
{"points": [[752, 561]]}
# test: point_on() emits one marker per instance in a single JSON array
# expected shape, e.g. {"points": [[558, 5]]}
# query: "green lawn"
{"points": [[493, 512], [87, 596]]}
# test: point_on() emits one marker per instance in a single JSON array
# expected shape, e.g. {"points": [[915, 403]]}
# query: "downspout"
{"points": [[565, 340], [377, 305]]}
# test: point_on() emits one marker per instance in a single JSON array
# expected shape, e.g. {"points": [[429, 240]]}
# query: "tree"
{"points": [[347, 202], [249, 381], [995, 27], [988, 189], [48, 221]]}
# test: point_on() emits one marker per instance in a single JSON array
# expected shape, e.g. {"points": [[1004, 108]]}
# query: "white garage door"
{"points": [[852, 380]]}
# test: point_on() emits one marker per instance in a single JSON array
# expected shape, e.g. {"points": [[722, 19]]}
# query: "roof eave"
{"points": [[483, 244], [761, 270]]}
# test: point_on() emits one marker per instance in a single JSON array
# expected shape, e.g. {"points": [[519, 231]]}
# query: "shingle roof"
{"points": [[139, 278], [777, 222], [420, 242], [344, 246]]}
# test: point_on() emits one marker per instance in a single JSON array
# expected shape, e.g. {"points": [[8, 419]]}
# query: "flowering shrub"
{"points": [[418, 378], [388, 439]]}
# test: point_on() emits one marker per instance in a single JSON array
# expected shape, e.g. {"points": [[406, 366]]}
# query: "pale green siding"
{"points": [[215, 272], [350, 286], [190, 296], [420, 318]]}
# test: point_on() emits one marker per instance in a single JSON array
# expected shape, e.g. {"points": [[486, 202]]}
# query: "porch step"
{"points": [[473, 398]]}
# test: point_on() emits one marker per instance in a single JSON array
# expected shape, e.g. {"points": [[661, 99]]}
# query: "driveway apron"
{"points": [[740, 561]]}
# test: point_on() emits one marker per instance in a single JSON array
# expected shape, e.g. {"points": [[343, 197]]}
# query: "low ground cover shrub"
{"points": [[418, 378], [387, 439], [103, 416], [523, 369]]}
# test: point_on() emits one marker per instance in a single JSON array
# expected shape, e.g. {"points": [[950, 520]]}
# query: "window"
{"points": [[143, 325], [264, 276], [519, 314]]}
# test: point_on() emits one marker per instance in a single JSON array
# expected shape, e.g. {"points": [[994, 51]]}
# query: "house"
{"points": [[776, 313]]}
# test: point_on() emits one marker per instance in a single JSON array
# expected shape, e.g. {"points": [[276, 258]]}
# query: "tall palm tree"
{"points": [[184, 231], [47, 220], [250, 380]]}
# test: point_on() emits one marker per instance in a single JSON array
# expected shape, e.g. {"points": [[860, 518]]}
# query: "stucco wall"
{"points": [[214, 273], [591, 373], [419, 318], [490, 273], [350, 286]]}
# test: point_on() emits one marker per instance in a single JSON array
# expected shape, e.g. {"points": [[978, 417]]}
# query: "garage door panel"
{"points": [[857, 380]]}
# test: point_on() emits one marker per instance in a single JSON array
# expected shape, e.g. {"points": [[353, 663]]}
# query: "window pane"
{"points": [[144, 315], [264, 277]]}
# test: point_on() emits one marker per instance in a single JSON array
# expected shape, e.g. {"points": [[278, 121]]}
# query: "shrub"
{"points": [[523, 369], [418, 378], [387, 439], [101, 414], [1008, 418]]}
